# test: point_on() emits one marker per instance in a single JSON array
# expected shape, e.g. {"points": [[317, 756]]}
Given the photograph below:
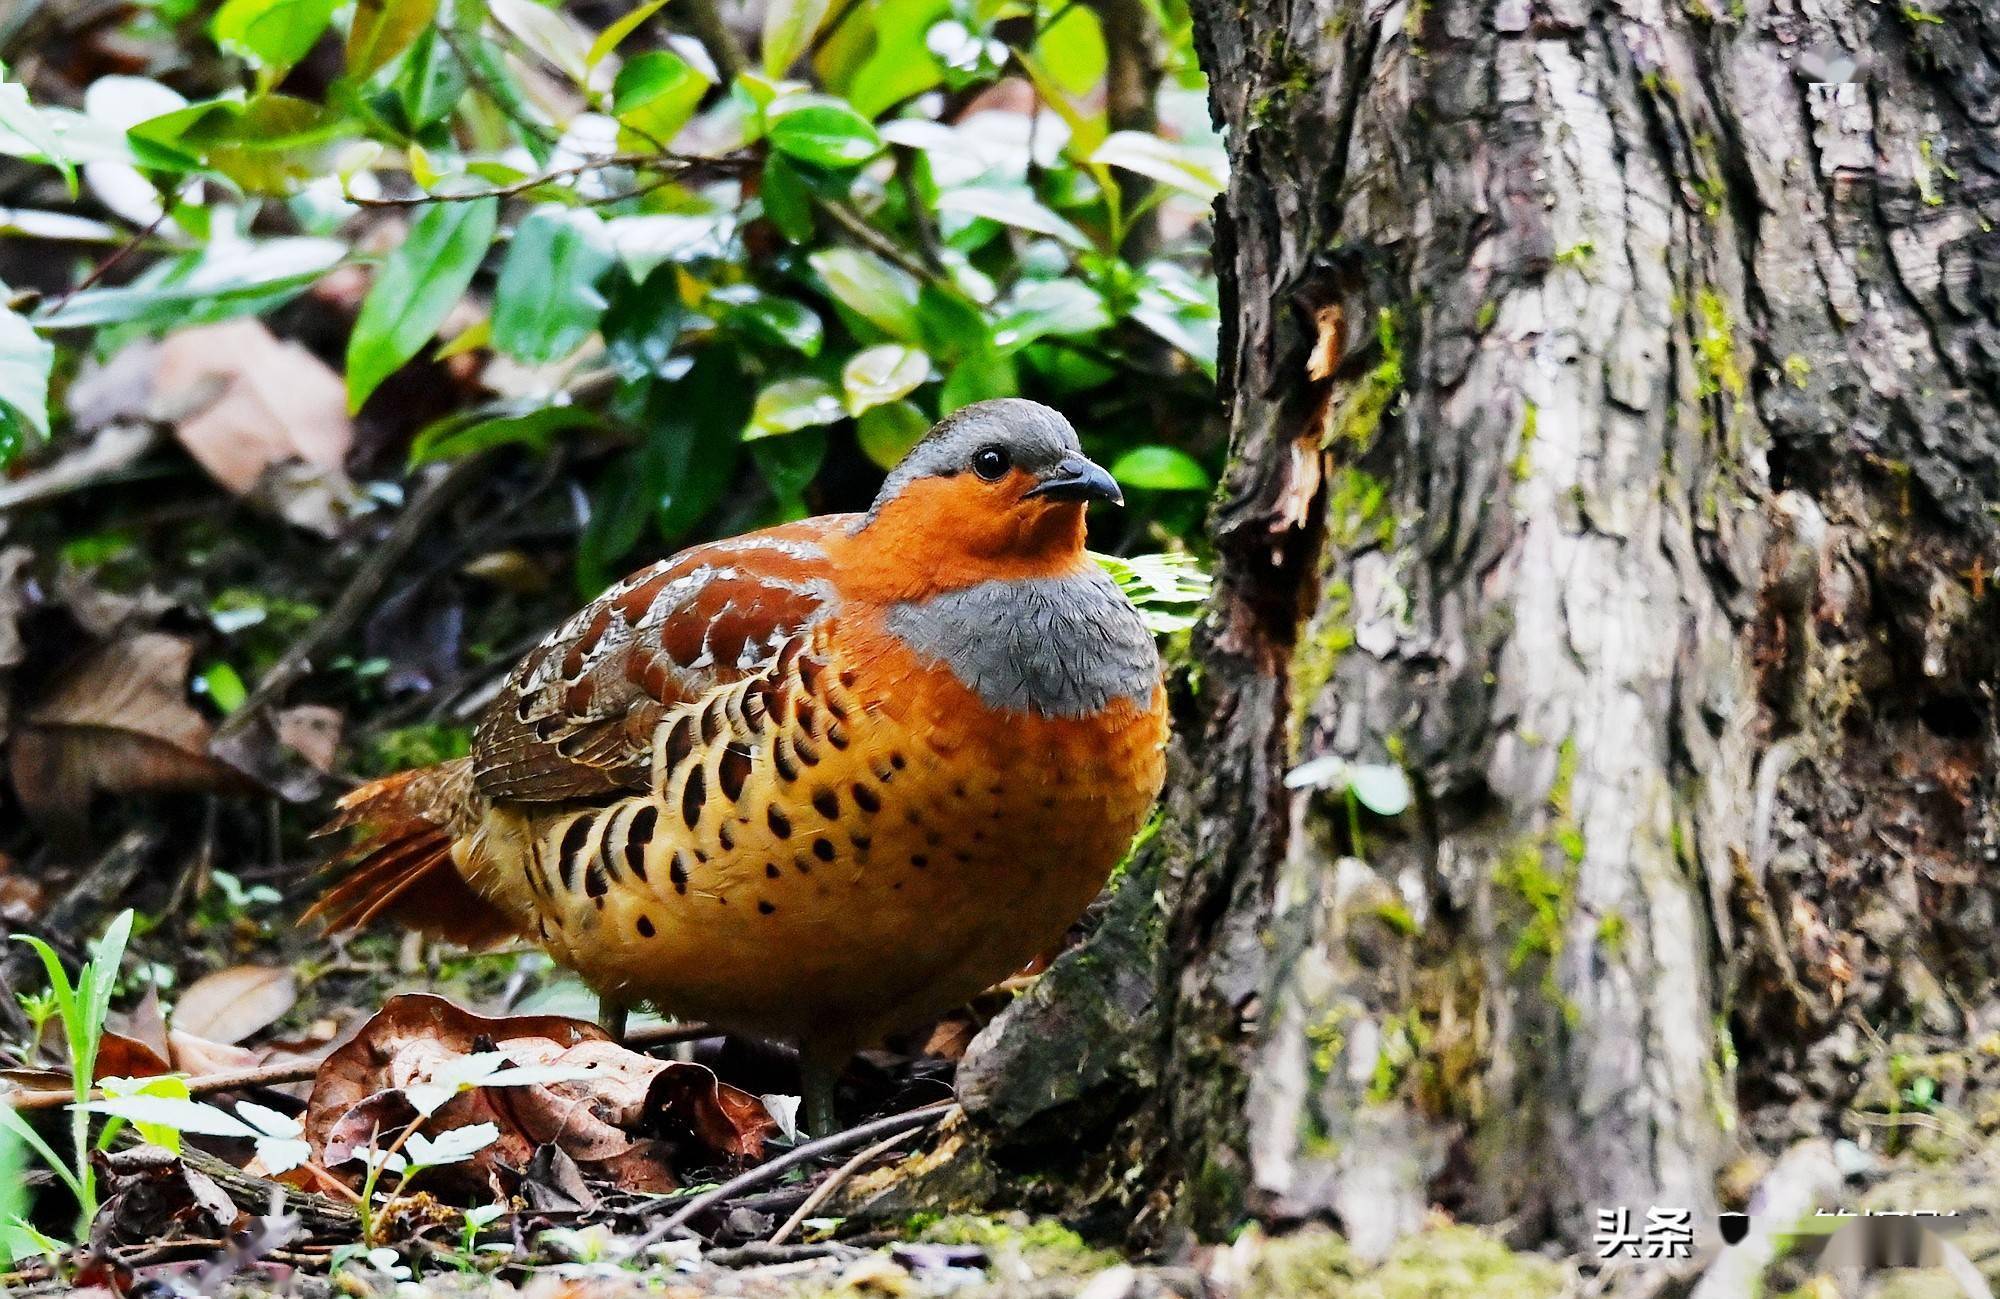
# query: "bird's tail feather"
{"points": [[400, 866]]}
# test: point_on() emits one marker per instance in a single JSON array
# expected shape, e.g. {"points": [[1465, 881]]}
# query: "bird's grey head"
{"points": [[992, 440]]}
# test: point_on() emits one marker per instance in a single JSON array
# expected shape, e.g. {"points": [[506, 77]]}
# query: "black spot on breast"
{"points": [[638, 835], [882, 771], [898, 761], [711, 721], [847, 677], [958, 789], [726, 837], [866, 799], [693, 795], [823, 849], [570, 855], [803, 866], [731, 772], [781, 825], [677, 871], [963, 857], [596, 883], [645, 926], [770, 870], [781, 757], [805, 715], [919, 861], [807, 753], [765, 907], [836, 735], [826, 803], [809, 673], [680, 741], [834, 706]]}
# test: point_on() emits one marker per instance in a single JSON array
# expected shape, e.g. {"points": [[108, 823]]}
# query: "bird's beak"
{"points": [[1077, 479]]}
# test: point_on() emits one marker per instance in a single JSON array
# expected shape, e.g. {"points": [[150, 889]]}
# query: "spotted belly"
{"points": [[836, 849]]}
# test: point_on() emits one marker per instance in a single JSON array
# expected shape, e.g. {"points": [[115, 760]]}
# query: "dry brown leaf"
{"points": [[119, 723], [630, 1119], [272, 401], [119, 1056], [230, 1005], [313, 732]]}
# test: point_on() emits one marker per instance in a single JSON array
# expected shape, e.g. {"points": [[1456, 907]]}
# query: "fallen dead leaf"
{"points": [[313, 732], [117, 723], [153, 1196], [245, 403], [230, 1005], [633, 1119]]}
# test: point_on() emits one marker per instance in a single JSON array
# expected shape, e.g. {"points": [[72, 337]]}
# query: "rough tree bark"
{"points": [[1615, 397]]}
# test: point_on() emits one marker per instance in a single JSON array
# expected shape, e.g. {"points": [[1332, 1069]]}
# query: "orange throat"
{"points": [[947, 534]]}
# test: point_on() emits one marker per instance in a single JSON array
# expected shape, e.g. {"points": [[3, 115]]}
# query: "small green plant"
{"points": [[82, 1006], [1165, 588]]}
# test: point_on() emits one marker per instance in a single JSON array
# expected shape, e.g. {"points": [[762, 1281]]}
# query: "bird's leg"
{"points": [[821, 1076], [611, 1016]]}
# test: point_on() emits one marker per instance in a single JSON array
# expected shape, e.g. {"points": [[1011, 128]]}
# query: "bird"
{"points": [[812, 783]]}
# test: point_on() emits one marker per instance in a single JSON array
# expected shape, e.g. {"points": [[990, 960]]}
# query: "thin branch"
{"points": [[118, 255], [824, 1191], [899, 1125], [705, 20], [678, 165]]}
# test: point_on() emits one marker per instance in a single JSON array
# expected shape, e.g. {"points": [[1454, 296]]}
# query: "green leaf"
{"points": [[416, 289], [521, 423], [1013, 207], [792, 404], [1200, 172], [887, 432], [883, 295], [26, 358], [789, 26], [1160, 469], [547, 301], [20, 118], [267, 144], [224, 280], [223, 686], [786, 200], [901, 65], [1039, 308], [642, 326], [431, 84], [613, 36], [547, 33], [382, 29], [656, 93], [826, 135], [275, 34], [1071, 50], [982, 375], [788, 465], [882, 374], [780, 322], [1382, 789]]}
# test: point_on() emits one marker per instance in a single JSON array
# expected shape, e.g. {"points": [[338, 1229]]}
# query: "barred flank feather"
{"points": [[399, 865]]}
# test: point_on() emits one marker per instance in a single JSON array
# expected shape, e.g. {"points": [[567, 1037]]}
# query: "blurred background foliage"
{"points": [[347, 343]]}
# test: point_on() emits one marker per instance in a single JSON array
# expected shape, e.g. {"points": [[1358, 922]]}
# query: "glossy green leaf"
{"points": [[789, 465], [882, 374], [547, 301], [697, 423], [548, 33], [792, 404], [432, 82], [265, 144], [883, 295], [887, 432], [26, 359], [613, 36], [901, 65], [224, 686], [1160, 469], [642, 326], [1382, 789], [789, 26], [980, 376], [416, 289], [516, 423], [1071, 50], [1014, 207], [35, 129], [780, 322], [275, 34], [1199, 172], [1039, 308], [383, 29], [786, 200], [227, 279], [656, 93], [826, 135]]}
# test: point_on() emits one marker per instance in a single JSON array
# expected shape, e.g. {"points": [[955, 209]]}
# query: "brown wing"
{"points": [[576, 719]]}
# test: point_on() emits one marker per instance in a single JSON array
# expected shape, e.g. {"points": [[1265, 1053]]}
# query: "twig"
{"points": [[271, 1075], [705, 20], [824, 1191], [680, 164], [382, 562], [898, 1124], [118, 255]]}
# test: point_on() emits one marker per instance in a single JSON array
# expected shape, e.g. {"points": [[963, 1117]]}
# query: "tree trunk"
{"points": [[1613, 393]]}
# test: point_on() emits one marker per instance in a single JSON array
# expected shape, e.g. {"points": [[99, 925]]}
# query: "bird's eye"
{"points": [[990, 463]]}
